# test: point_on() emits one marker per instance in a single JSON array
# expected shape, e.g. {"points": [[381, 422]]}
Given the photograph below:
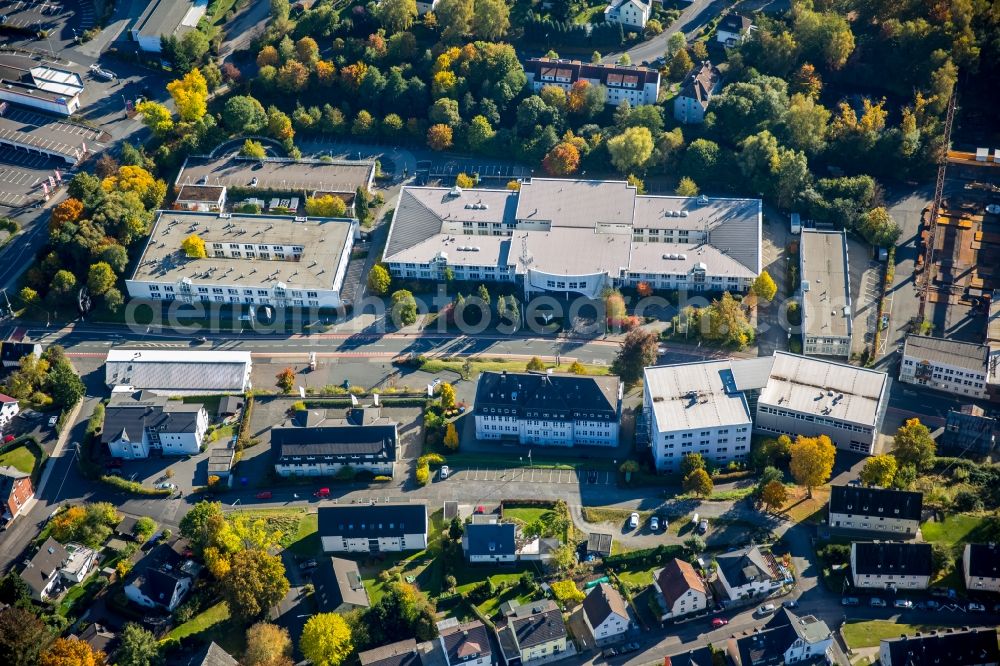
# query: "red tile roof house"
{"points": [[15, 492]]}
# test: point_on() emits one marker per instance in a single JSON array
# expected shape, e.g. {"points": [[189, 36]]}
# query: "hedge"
{"points": [[134, 487], [646, 556], [244, 434]]}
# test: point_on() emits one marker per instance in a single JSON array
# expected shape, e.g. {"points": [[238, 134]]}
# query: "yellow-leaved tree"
{"points": [[812, 461], [194, 247], [327, 205], [326, 640], [190, 95]]}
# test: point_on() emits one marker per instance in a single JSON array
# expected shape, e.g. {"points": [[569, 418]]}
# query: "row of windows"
{"points": [[822, 420], [560, 284], [232, 290], [255, 247], [236, 299]]}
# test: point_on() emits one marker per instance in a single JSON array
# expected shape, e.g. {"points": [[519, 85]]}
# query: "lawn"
{"points": [[306, 541], [956, 529], [21, 458], [638, 577], [527, 514], [589, 15], [211, 402], [479, 365], [860, 634], [203, 621], [803, 509], [601, 514], [214, 624], [286, 521]]}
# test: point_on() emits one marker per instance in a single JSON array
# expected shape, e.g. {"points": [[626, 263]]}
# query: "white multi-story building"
{"points": [[981, 567], [733, 29], [321, 443], [631, 14], [695, 408], [605, 613], [896, 513], [962, 368], [618, 237], [891, 565], [681, 588], [134, 426], [698, 89], [623, 83], [785, 639], [548, 409], [250, 259], [951, 646], [825, 293], [373, 528], [749, 572]]}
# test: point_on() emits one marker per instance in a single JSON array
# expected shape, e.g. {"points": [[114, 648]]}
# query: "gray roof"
{"points": [[702, 83], [599, 543], [213, 655], [877, 502], [159, 585], [279, 174], [751, 373], [324, 243], [323, 435], [539, 624], [951, 647], [491, 539], [338, 582], [230, 404], [743, 566], [604, 600], [561, 396], [465, 642], [127, 417], [939, 351], [178, 370], [402, 653], [984, 560], [168, 18], [892, 558], [695, 395], [43, 564], [827, 300], [373, 520]]}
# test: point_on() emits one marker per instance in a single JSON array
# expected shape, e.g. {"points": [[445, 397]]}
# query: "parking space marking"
{"points": [[534, 474]]}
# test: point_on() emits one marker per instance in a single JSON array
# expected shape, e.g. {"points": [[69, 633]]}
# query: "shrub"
{"points": [[423, 474], [133, 486], [567, 592], [381, 478]]}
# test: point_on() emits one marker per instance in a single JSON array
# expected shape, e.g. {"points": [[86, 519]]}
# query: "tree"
{"points": [[28, 295], [680, 65], [878, 227], [194, 247], [639, 349], [695, 544], [286, 380], [484, 294], [328, 205], [464, 181], [69, 210], [446, 393], [451, 437], [675, 42], [279, 125], [701, 160], [535, 364], [195, 525], [326, 640], [774, 495], [764, 287], [144, 528], [727, 322], [812, 461], [244, 114], [455, 19], [806, 124], [156, 117], [699, 483], [914, 445], [906, 476], [628, 468], [65, 385], [255, 582], [879, 471], [825, 37], [404, 307], [439, 137], [480, 132], [690, 462], [686, 188], [190, 95], [397, 15], [490, 19], [254, 149], [379, 280], [22, 634], [100, 278], [577, 368], [267, 645], [631, 149], [562, 160], [136, 180], [67, 652], [139, 647]]}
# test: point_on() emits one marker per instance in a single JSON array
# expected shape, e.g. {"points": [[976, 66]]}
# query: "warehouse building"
{"points": [[179, 372], [825, 293], [23, 81], [166, 18]]}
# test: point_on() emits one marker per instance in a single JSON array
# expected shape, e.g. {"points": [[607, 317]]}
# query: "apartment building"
{"points": [[981, 567], [534, 631], [954, 647], [786, 638], [323, 442], [894, 513], [136, 424], [884, 565], [825, 293], [373, 528], [681, 589], [969, 429], [697, 91], [962, 368], [465, 643], [631, 14], [636, 85]]}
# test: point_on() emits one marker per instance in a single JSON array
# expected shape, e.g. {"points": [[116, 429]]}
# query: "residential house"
{"points": [[681, 589], [749, 572], [182, 372], [126, 527], [786, 638], [373, 528], [402, 653], [951, 647], [891, 565], [636, 85], [825, 293], [539, 408], [425, 6], [699, 87], [537, 549], [203, 198], [55, 566], [9, 408], [605, 613], [79, 563], [98, 637], [699, 657], [212, 655], [969, 430], [16, 491], [12, 351], [338, 586], [163, 587], [465, 644], [631, 14], [533, 631], [490, 543], [135, 424], [733, 29], [892, 512], [962, 368], [323, 442], [981, 567]]}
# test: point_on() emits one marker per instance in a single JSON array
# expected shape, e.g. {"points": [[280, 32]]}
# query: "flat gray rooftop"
{"points": [[278, 174], [49, 134], [827, 301], [323, 241]]}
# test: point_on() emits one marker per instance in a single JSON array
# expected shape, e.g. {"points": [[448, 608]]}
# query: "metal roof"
{"points": [[166, 18], [279, 174], [826, 286], [180, 370], [695, 395], [939, 351]]}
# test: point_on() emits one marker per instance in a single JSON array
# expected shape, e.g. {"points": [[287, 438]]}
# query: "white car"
{"points": [[445, 471], [166, 485], [654, 524], [53, 421], [633, 520]]}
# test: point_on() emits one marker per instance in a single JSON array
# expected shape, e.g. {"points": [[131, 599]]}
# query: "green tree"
{"points": [[686, 188], [100, 278], [484, 294], [699, 483], [764, 287], [914, 445], [628, 468], [631, 150], [244, 114], [65, 385], [379, 280], [695, 544], [690, 462], [397, 15], [254, 149], [404, 308], [139, 647], [22, 636], [255, 582], [144, 528], [680, 65], [63, 283], [906, 476], [701, 160], [480, 133], [490, 19], [455, 19], [195, 525], [267, 645], [812, 461], [806, 124], [879, 471], [878, 227], [639, 349], [286, 380]]}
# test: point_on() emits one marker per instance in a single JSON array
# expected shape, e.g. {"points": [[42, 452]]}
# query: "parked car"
{"points": [[444, 472], [308, 564], [165, 485], [703, 527], [790, 603], [850, 601], [719, 622], [8, 439], [654, 524], [610, 652], [53, 420], [264, 494], [633, 520], [975, 608], [877, 603], [766, 609], [903, 603], [322, 492], [628, 647]]}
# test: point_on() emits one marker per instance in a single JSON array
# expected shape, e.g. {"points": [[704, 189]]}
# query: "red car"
{"points": [[8, 439], [264, 494], [322, 492], [719, 622]]}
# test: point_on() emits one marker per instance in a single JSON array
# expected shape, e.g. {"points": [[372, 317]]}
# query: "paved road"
{"points": [[695, 15]]}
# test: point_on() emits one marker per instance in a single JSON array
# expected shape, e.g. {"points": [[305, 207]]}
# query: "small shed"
{"points": [[220, 461], [230, 405], [599, 544]]}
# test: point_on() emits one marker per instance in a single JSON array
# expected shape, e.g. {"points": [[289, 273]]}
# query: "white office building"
{"points": [[962, 368]]}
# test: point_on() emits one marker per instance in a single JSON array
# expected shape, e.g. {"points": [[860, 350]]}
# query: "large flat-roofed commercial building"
{"points": [[576, 236], [695, 408], [811, 397], [252, 259], [166, 18], [24, 81], [826, 293], [963, 368], [624, 83], [179, 371], [704, 407]]}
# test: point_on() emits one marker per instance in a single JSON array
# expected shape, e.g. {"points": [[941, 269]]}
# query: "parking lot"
{"points": [[21, 175], [64, 20]]}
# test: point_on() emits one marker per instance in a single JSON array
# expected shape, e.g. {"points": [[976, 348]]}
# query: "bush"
{"points": [[968, 500], [382, 478], [134, 486], [423, 474], [567, 592]]}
